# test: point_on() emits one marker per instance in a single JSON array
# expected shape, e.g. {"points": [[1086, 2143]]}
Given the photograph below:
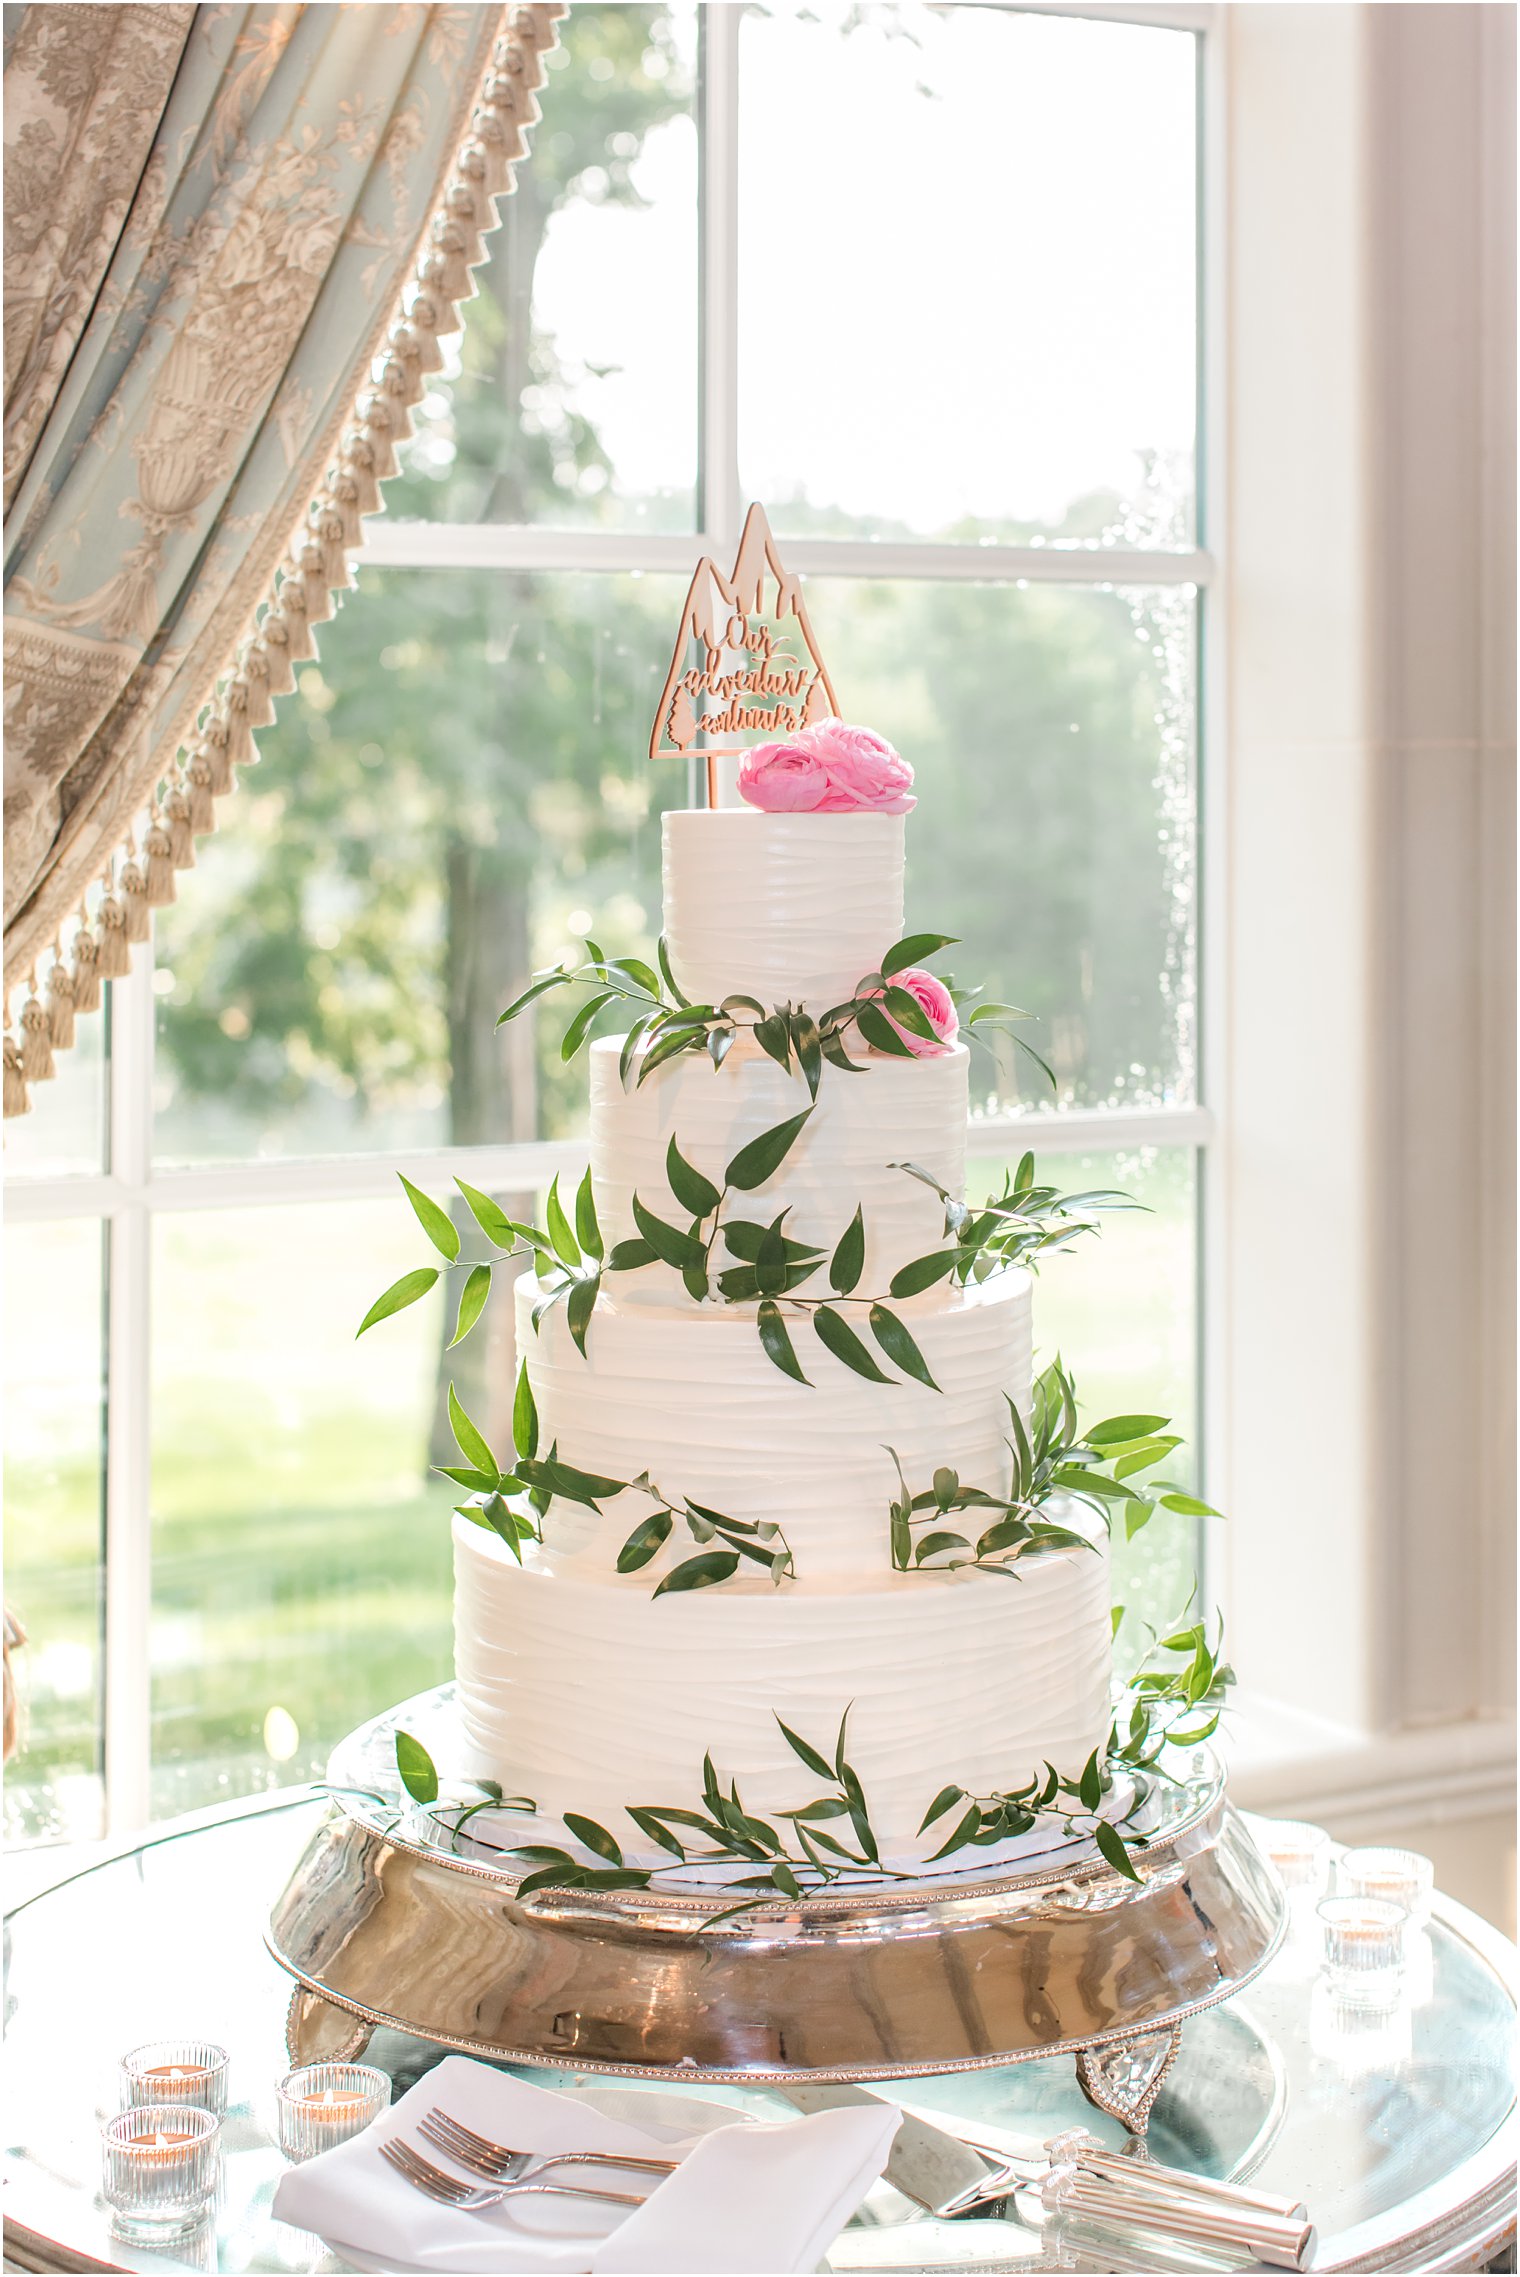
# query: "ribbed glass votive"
{"points": [[323, 2104], [1300, 1854], [160, 2165], [1364, 1946], [177, 2071], [1400, 1877]]}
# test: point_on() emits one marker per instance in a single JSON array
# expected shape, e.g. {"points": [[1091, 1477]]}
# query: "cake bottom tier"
{"points": [[589, 1694]]}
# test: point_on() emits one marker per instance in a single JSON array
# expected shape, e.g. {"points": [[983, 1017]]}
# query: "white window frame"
{"points": [[132, 1192]]}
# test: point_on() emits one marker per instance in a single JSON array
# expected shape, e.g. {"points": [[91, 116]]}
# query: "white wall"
{"points": [[1368, 1402]]}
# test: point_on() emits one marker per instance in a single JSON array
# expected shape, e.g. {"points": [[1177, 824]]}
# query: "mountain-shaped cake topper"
{"points": [[742, 673]]}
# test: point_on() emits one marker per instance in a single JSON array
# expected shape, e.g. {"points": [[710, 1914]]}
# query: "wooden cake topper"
{"points": [[742, 673]]}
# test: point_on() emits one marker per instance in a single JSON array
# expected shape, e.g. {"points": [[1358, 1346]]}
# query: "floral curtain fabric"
{"points": [[233, 236]]}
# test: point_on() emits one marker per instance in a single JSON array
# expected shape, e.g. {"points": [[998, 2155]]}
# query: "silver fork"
{"points": [[448, 2190], [500, 2164]]}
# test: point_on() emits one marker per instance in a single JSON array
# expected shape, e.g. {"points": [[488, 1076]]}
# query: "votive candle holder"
{"points": [[1364, 1946], [1300, 1855], [177, 2071], [159, 2165], [325, 2104], [1400, 1877]]}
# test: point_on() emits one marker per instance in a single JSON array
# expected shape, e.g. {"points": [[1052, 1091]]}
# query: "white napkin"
{"points": [[745, 2198]]}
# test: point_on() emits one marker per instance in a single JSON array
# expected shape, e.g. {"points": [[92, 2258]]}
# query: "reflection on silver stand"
{"points": [[390, 1919]]}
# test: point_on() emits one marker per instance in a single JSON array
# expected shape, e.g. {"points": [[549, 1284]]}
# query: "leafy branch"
{"points": [[1102, 1466], [767, 1266], [1014, 1536], [1016, 1227], [567, 1258], [666, 1023]]}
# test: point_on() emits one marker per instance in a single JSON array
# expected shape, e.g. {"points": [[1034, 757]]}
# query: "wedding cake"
{"points": [[828, 1447]]}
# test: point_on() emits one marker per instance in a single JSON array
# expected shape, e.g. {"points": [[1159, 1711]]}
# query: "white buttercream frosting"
{"points": [[787, 908], [900, 1110], [686, 1393], [586, 1693]]}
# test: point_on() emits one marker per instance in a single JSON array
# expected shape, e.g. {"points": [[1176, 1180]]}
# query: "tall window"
{"points": [[922, 279]]}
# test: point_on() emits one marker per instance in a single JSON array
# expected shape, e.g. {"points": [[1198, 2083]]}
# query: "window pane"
{"points": [[576, 403], [1119, 1310], [301, 1560], [65, 1130], [53, 1497], [1051, 730], [989, 216], [458, 791]]}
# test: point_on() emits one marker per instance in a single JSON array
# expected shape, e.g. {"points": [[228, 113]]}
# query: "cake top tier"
{"points": [[787, 908]]}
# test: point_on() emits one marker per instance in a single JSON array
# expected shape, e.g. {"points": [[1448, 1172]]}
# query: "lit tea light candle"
{"points": [[177, 2071], [159, 2165], [1364, 1944], [324, 2104], [1398, 1877], [1299, 1854]]}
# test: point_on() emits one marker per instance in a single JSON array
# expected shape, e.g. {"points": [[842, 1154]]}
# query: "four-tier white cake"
{"points": [[579, 1686]]}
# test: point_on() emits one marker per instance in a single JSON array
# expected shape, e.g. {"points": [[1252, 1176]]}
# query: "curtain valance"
{"points": [[233, 238]]}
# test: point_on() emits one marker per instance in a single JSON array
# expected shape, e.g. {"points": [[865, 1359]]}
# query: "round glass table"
{"points": [[1397, 2128]]}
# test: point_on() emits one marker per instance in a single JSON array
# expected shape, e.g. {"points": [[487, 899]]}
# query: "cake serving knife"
{"points": [[1074, 2177]]}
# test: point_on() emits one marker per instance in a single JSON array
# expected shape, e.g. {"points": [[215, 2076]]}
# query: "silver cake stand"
{"points": [[391, 1919]]}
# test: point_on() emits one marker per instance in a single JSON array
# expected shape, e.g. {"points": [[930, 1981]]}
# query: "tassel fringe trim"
{"points": [[310, 582]]}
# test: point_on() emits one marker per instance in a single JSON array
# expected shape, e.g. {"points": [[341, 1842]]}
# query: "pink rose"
{"points": [[863, 769], [783, 778], [827, 768], [932, 996]]}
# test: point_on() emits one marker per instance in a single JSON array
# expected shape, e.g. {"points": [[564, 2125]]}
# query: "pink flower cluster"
{"points": [[827, 768], [934, 999]]}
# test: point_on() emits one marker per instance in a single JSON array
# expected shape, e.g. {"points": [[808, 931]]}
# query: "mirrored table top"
{"points": [[1397, 2129]]}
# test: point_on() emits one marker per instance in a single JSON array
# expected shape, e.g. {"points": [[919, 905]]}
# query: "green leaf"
{"points": [[1090, 1785], [566, 1877], [594, 1837], [993, 1015], [638, 972], [719, 1044], [587, 1230], [649, 1824], [924, 1177], [770, 1259], [1115, 1617], [763, 1156], [965, 1829], [1120, 1428], [1111, 1844], [536, 988], [774, 1036], [631, 1043], [628, 1256], [645, 1542], [879, 1032], [579, 1308], [694, 1192], [491, 1218], [921, 1273], [566, 1246], [906, 1010], [700, 1573], [836, 1334], [913, 950], [695, 1278], [666, 1047], [479, 1482], [848, 1261], [434, 1220], [472, 1444], [586, 1487], [472, 1298], [805, 1752], [899, 1346], [415, 1765], [398, 1296], [777, 1342], [808, 1045], [933, 1544], [785, 1879], [1188, 1506], [943, 1801], [575, 1035], [524, 1415], [662, 951], [667, 1241]]}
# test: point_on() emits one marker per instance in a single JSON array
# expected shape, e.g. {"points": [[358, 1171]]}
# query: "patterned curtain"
{"points": [[233, 236]]}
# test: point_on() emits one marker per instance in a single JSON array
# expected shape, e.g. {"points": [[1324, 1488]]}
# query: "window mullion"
{"points": [[719, 239], [129, 1546]]}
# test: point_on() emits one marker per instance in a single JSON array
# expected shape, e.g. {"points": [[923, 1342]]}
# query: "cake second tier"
{"points": [[686, 1394], [894, 1111]]}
